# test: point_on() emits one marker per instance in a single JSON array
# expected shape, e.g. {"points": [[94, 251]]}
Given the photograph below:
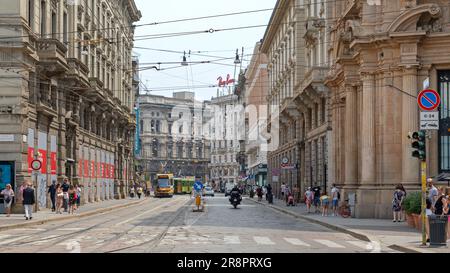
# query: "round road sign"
{"points": [[428, 100], [36, 165]]}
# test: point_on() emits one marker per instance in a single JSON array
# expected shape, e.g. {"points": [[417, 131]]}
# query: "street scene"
{"points": [[274, 126]]}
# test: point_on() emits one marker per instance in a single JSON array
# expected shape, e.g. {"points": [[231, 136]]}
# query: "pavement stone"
{"points": [[398, 236], [46, 215]]}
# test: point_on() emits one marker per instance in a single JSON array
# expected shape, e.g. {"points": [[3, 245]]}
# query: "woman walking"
{"points": [[309, 197], [72, 199], [8, 195], [397, 201], [59, 198], [325, 200]]}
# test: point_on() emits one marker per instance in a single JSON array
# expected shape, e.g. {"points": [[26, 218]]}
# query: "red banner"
{"points": [[93, 169], [112, 172], [42, 156], [99, 169], [30, 158], [53, 163], [80, 168], [86, 168]]}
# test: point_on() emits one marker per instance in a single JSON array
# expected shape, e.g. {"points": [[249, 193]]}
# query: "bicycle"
{"points": [[344, 210]]}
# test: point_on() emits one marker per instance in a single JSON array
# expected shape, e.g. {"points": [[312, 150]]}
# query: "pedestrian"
{"points": [[433, 192], [402, 212], [28, 201], [439, 205], [259, 193], [52, 192], [72, 198], [22, 187], [78, 203], [309, 197], [428, 213], [397, 201], [287, 192], [59, 198], [65, 188], [132, 192], [335, 196], [139, 192], [446, 212], [317, 195], [8, 196], [283, 190], [325, 201]]}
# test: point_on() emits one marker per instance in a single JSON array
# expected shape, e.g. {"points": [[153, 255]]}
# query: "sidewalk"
{"points": [[397, 236], [45, 216]]}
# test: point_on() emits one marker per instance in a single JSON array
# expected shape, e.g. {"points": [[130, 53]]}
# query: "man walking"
{"points": [[65, 187], [433, 192], [52, 191], [335, 199], [28, 201], [283, 190], [316, 191]]}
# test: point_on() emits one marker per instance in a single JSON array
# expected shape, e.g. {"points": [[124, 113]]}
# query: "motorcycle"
{"points": [[235, 199]]}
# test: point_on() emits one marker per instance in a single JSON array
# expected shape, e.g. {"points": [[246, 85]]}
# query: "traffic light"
{"points": [[419, 144]]}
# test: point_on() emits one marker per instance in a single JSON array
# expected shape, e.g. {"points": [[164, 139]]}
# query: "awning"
{"points": [[442, 177]]}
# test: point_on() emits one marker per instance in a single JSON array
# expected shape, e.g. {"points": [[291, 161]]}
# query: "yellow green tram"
{"points": [[183, 185]]}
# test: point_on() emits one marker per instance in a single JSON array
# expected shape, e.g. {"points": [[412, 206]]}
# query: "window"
{"points": [[169, 115], [158, 126], [180, 130], [444, 118], [170, 151], [170, 128], [180, 151], [43, 19], [323, 110], [54, 25], [65, 38], [31, 14], [152, 126], [142, 126]]}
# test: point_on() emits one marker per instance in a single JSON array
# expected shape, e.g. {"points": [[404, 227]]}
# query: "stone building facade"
{"points": [[67, 93], [255, 96], [226, 132], [381, 53], [172, 135]]}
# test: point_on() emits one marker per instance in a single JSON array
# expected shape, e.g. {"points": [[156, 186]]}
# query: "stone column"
{"points": [[366, 193], [410, 165], [368, 130], [351, 137]]}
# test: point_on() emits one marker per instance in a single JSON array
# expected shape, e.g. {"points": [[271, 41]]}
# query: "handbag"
{"points": [[8, 199]]}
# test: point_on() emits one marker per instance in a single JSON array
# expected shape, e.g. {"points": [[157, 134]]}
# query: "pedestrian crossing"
{"points": [[180, 239]]}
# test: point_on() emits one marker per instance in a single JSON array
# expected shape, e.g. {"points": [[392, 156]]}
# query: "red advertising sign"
{"points": [[53, 163], [30, 158], [112, 172], [99, 169], [42, 156], [86, 168], [80, 168]]}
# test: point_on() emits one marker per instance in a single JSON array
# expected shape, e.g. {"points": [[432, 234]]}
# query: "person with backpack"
{"points": [[397, 201], [72, 199], [336, 196], [309, 197]]}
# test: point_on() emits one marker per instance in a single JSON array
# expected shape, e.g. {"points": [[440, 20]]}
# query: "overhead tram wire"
{"points": [[132, 26]]}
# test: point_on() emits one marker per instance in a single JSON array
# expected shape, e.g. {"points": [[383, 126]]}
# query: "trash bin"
{"points": [[438, 230]]}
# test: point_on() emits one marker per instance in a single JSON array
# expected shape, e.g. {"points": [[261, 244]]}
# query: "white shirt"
{"points": [[334, 193]]}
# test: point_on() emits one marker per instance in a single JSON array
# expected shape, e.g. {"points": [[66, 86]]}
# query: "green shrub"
{"points": [[413, 203]]}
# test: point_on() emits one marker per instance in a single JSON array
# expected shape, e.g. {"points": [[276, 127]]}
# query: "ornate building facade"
{"points": [[381, 52], [68, 94], [174, 135]]}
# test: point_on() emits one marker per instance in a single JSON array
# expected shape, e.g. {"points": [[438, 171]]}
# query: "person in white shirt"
{"points": [[283, 190], [433, 192], [335, 199]]}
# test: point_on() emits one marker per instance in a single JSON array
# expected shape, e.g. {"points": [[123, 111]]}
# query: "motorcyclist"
{"points": [[269, 194], [235, 192]]}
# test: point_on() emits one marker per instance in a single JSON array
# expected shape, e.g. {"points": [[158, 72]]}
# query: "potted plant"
{"points": [[406, 206], [415, 207]]}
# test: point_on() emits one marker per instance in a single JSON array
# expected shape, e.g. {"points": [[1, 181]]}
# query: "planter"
{"points": [[417, 221], [410, 220]]}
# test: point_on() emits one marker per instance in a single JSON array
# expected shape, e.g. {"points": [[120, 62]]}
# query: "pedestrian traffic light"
{"points": [[419, 144]]}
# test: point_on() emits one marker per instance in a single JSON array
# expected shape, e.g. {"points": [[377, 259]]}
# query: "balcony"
{"points": [[52, 55]]}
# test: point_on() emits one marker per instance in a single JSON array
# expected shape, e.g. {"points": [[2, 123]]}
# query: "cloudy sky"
{"points": [[163, 42]]}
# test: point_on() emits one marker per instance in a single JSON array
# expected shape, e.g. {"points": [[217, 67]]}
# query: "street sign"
{"points": [[36, 165], [285, 160], [429, 120], [198, 186], [428, 100]]}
